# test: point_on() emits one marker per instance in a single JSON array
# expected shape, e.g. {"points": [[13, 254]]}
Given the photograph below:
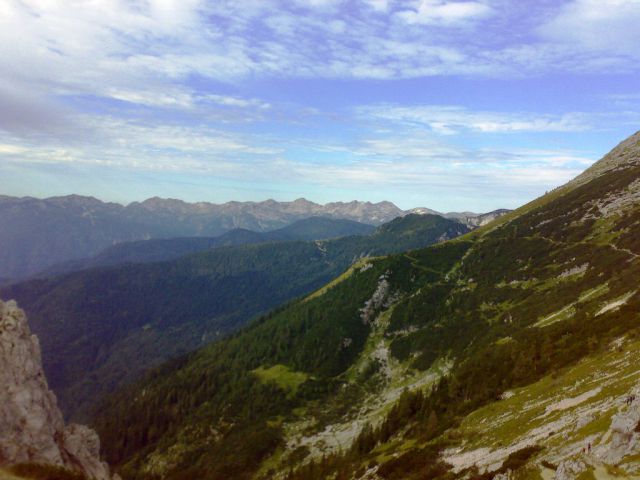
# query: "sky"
{"points": [[452, 105]]}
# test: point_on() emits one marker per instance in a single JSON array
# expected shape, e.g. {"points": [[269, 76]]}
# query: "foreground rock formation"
{"points": [[32, 429]]}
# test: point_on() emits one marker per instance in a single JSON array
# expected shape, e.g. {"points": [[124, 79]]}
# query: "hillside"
{"points": [[103, 327], [157, 250], [44, 232], [510, 351]]}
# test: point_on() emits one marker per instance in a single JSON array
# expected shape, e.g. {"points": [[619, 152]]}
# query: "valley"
{"points": [[103, 327]]}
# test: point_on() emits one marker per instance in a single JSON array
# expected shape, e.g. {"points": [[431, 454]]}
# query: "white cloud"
{"points": [[319, 3], [150, 98], [237, 102], [439, 12], [115, 47], [378, 5], [449, 120], [624, 100], [139, 146], [181, 99], [408, 148], [108, 46], [7, 149], [508, 173], [597, 26]]}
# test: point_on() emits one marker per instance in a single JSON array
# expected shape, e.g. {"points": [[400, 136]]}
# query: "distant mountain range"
{"points": [[40, 233], [103, 327]]}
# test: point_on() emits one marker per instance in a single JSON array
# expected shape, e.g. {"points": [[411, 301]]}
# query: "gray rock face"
{"points": [[368, 312], [625, 440], [570, 469], [31, 426], [504, 476], [484, 218], [470, 219]]}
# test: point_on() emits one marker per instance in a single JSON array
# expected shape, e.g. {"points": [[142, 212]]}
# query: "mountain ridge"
{"points": [[45, 232]]}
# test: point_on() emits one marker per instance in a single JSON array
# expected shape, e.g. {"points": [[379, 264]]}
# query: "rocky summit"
{"points": [[32, 429]]}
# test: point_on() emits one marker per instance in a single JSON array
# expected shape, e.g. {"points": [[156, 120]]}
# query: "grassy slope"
{"points": [[562, 412], [504, 307]]}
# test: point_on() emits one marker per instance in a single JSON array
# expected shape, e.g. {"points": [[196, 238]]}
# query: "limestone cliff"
{"points": [[32, 429]]}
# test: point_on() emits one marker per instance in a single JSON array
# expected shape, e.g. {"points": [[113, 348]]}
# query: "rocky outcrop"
{"points": [[470, 219], [32, 429], [570, 469], [377, 300], [623, 432], [503, 476], [484, 218]]}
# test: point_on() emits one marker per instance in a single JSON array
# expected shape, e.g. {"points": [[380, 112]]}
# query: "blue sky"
{"points": [[451, 105]]}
